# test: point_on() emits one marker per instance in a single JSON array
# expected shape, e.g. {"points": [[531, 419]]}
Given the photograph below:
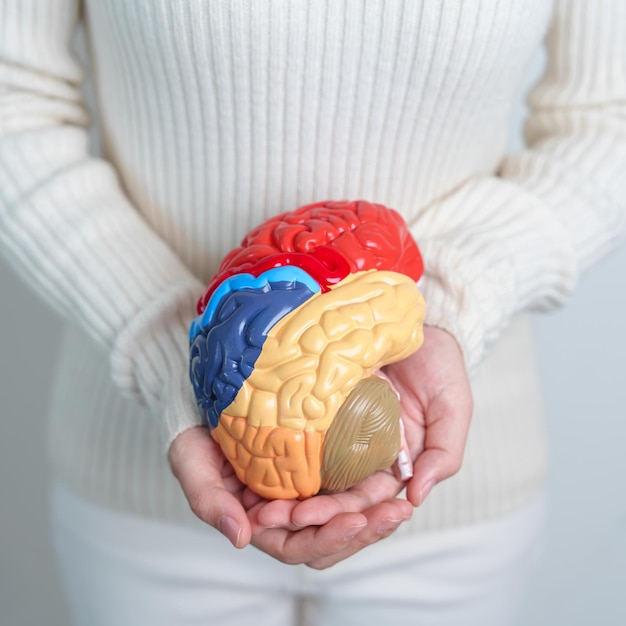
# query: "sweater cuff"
{"points": [[483, 271]]}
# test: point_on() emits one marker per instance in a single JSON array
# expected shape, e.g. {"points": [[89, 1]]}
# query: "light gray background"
{"points": [[581, 349]]}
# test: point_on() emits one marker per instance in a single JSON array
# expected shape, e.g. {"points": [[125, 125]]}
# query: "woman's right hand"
{"points": [[210, 484], [218, 498]]}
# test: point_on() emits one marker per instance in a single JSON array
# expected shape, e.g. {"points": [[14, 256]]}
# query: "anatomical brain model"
{"points": [[290, 337]]}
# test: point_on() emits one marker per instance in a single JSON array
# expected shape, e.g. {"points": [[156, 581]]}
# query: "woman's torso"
{"points": [[220, 114]]}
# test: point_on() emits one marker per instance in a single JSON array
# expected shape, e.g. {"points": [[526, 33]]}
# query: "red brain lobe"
{"points": [[367, 235], [370, 236]]}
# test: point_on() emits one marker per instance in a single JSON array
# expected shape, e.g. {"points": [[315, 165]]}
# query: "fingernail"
{"points": [[426, 490], [388, 525], [229, 527], [353, 532]]}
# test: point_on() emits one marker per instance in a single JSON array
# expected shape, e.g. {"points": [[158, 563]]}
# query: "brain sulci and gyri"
{"points": [[291, 335]]}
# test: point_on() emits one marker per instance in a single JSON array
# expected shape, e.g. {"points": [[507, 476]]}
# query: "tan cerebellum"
{"points": [[364, 437]]}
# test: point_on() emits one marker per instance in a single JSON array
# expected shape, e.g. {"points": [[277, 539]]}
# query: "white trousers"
{"points": [[122, 570]]}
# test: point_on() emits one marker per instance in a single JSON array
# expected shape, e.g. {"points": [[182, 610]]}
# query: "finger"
{"points": [[448, 418], [311, 543], [250, 499], [272, 515], [382, 521], [209, 485], [319, 510], [276, 514]]}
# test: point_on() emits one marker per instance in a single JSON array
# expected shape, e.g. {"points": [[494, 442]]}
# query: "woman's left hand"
{"points": [[436, 407]]}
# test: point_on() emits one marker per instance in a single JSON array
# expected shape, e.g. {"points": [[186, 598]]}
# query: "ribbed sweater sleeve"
{"points": [[519, 240], [69, 229]]}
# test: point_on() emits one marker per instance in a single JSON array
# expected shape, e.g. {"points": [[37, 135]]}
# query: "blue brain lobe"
{"points": [[225, 347]]}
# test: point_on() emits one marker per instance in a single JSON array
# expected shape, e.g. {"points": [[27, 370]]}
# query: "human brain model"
{"points": [[290, 337]]}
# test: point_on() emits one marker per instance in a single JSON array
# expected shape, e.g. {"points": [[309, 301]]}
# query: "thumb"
{"points": [[448, 418], [209, 484]]}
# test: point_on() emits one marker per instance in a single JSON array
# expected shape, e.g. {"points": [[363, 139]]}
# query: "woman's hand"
{"points": [[436, 405], [210, 484], [436, 408], [218, 498]]}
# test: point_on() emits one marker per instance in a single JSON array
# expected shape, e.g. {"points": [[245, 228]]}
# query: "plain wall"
{"points": [[581, 352]]}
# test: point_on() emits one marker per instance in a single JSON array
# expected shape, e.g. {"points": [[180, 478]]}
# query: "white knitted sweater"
{"points": [[216, 115]]}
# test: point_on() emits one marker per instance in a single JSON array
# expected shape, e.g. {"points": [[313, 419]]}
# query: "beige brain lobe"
{"points": [[273, 432]]}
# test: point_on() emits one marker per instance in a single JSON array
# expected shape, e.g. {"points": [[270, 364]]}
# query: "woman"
{"points": [[216, 116]]}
